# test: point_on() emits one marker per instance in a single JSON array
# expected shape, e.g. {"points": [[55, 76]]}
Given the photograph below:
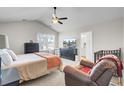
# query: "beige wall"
{"points": [[21, 32], [106, 35]]}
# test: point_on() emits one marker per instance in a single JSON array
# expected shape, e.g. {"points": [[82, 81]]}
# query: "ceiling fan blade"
{"points": [[64, 18], [60, 22]]}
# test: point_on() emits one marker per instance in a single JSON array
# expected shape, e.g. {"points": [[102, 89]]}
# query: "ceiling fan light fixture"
{"points": [[55, 21]]}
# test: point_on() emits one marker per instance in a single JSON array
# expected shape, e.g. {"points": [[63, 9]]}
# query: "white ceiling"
{"points": [[77, 16]]}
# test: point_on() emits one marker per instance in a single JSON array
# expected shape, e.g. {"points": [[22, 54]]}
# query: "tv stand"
{"points": [[68, 53]]}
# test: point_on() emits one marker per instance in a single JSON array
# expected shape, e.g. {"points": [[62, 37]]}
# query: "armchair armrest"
{"points": [[74, 77], [86, 62]]}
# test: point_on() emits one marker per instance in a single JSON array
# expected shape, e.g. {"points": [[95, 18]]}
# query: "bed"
{"points": [[28, 67]]}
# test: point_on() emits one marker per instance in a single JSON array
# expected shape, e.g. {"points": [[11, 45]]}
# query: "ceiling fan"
{"points": [[56, 19]]}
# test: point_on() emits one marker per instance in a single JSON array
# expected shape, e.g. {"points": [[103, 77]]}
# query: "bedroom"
{"points": [[27, 25]]}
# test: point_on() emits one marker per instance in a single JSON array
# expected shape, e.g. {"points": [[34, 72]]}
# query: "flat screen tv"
{"points": [[69, 42]]}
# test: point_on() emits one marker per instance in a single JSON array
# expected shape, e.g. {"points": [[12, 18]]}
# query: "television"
{"points": [[71, 42]]}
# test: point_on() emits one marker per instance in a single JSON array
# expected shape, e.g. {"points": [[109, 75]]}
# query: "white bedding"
{"points": [[23, 59], [29, 66]]}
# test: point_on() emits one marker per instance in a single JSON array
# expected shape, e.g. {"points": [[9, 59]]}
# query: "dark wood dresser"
{"points": [[68, 53], [31, 47]]}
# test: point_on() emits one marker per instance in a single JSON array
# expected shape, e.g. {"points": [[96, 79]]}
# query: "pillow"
{"points": [[86, 62], [6, 58], [11, 53]]}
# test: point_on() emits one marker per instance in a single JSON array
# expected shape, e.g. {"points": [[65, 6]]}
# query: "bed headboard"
{"points": [[99, 54], [4, 41]]}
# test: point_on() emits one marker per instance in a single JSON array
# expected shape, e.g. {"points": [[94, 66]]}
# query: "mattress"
{"points": [[23, 59], [10, 73]]}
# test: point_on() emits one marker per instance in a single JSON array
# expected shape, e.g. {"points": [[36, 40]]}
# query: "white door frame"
{"points": [[88, 49]]}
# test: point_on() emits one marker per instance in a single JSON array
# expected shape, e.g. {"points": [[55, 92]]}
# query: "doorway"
{"points": [[86, 46]]}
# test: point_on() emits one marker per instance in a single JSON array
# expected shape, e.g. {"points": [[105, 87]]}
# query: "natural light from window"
{"points": [[46, 41]]}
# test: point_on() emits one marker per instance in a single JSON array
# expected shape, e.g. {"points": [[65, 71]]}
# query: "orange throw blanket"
{"points": [[52, 60]]}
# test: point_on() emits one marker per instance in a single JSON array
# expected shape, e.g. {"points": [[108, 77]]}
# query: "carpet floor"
{"points": [[55, 78]]}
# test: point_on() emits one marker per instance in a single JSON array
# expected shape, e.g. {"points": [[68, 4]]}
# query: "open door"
{"points": [[86, 47]]}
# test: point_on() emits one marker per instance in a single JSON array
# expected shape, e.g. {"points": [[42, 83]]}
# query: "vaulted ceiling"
{"points": [[77, 16]]}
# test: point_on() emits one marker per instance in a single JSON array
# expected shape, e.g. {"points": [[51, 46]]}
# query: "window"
{"points": [[46, 41], [51, 41]]}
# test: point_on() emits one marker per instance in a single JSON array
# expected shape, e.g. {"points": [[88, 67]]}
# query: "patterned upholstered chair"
{"points": [[88, 74]]}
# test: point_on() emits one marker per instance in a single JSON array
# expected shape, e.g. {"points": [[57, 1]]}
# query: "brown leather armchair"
{"points": [[99, 75]]}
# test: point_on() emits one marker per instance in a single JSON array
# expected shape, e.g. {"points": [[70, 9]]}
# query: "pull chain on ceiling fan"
{"points": [[56, 19]]}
